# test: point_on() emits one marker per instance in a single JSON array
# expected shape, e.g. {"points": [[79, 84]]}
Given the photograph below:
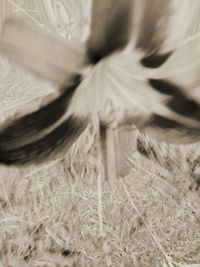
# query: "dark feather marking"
{"points": [[155, 60], [96, 54], [173, 131], [110, 30], [61, 137], [164, 123], [146, 149], [164, 87], [142, 149], [24, 128], [179, 101]]}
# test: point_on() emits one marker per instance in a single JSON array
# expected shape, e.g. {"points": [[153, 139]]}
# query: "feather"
{"points": [[42, 133], [35, 124], [111, 26], [139, 71], [41, 52], [153, 25], [178, 101], [183, 60], [62, 137], [161, 26]]}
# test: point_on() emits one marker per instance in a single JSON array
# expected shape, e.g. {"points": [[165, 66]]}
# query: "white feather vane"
{"points": [[41, 51]]}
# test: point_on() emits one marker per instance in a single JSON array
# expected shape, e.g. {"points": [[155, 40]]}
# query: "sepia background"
{"points": [[64, 213]]}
